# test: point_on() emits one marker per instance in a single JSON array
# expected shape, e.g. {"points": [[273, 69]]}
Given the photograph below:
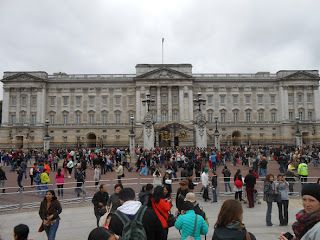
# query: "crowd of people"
{"points": [[152, 211]]}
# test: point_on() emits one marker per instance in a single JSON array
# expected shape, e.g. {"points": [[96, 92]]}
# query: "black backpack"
{"points": [[133, 229]]}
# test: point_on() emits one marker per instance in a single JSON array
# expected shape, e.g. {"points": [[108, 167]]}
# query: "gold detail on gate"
{"points": [[183, 135], [165, 135]]}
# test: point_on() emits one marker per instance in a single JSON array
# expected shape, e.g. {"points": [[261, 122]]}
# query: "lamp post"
{"points": [[216, 135], [132, 141], [298, 134], [131, 120], [148, 101], [46, 124], [199, 101], [46, 138]]}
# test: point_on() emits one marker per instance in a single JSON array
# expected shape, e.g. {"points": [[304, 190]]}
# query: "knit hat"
{"points": [[191, 197], [184, 182], [312, 189], [206, 170]]}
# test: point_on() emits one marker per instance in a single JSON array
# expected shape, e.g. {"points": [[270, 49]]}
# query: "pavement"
{"points": [[77, 222]]}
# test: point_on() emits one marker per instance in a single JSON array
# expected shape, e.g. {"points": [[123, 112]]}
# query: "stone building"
{"points": [[95, 109]]}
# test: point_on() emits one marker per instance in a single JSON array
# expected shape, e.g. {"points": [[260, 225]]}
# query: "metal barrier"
{"points": [[31, 197]]}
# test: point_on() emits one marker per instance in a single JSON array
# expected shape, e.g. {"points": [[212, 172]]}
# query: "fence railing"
{"points": [[32, 196]]}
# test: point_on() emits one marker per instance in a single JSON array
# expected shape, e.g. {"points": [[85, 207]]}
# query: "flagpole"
{"points": [[162, 49]]}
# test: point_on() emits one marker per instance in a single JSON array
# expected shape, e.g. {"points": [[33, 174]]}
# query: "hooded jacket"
{"points": [[223, 233]]}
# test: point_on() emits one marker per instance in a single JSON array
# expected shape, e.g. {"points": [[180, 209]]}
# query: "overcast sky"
{"points": [[104, 36]]}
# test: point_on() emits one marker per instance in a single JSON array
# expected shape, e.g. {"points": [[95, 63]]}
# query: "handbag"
{"points": [[194, 230], [122, 175], [102, 211], [41, 228], [171, 218]]}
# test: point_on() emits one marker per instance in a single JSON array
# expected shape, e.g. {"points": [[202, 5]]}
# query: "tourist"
{"points": [[3, 179], [167, 194], [119, 171], [101, 233], [114, 201], [190, 223], [129, 209], [96, 175], [60, 182], [205, 184], [263, 166], [37, 180], [100, 200], [65, 168], [161, 206], [307, 226], [44, 181], [31, 171], [191, 197], [50, 209], [229, 224], [145, 195], [269, 192], [290, 178], [281, 186], [238, 185], [144, 167], [167, 182], [250, 181], [20, 232], [157, 178], [214, 182], [70, 167], [20, 176], [181, 194], [24, 167], [226, 178], [47, 167]]}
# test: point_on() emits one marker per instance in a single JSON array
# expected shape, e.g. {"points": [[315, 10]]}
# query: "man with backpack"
{"points": [[226, 177], [134, 221]]}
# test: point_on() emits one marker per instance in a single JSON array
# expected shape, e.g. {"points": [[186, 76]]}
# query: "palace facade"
{"points": [[88, 110]]}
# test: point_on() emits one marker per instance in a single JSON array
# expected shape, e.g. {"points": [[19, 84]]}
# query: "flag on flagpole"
{"points": [[162, 39]]}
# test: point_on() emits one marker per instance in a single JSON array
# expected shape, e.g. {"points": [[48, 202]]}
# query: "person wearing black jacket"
{"points": [[151, 223], [181, 194], [250, 181], [184, 173], [100, 200], [3, 179], [214, 181]]}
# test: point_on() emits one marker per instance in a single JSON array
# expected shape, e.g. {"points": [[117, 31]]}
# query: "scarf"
{"points": [[236, 225], [305, 221]]}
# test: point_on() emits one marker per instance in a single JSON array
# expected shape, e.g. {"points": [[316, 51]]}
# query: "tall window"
{"points": [[247, 99], [261, 117], [52, 119], [78, 101], [91, 118], [104, 118], [154, 117], [91, 101], [222, 99], [235, 99], [299, 98], [310, 116], [65, 119], [164, 99], [130, 100], [273, 117], [13, 101], [24, 101], [117, 118], [65, 101], [290, 98], [260, 99], [309, 98], [52, 101], [209, 99], [175, 116], [235, 117], [104, 100], [164, 117], [210, 117], [78, 118], [118, 100], [273, 99], [300, 116], [23, 119], [248, 117], [223, 117], [33, 119], [291, 116], [34, 101], [175, 99], [13, 118]]}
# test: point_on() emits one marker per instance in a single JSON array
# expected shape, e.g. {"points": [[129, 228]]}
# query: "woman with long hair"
{"points": [[281, 185], [238, 185], [114, 201], [96, 176], [161, 206], [49, 212], [229, 224], [307, 226], [268, 196], [60, 182]]}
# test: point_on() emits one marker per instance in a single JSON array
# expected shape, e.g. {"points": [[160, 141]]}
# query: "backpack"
{"points": [[133, 229], [37, 178]]}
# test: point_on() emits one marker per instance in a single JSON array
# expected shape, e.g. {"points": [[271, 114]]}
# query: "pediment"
{"points": [[301, 75], [23, 77], [164, 73]]}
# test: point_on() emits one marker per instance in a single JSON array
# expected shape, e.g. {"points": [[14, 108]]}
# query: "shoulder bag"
{"points": [[194, 230], [171, 218]]}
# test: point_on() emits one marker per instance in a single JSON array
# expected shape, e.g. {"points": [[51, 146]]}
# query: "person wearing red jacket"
{"points": [[161, 206]]}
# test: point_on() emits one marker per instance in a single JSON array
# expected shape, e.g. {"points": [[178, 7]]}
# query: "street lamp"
{"points": [[297, 121], [148, 101], [46, 124], [131, 120], [216, 120], [199, 101]]}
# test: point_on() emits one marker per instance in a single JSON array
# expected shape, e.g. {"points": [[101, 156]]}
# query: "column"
{"points": [[316, 100], [29, 102], [181, 107], [305, 103], [43, 104], [138, 105], [18, 106], [5, 106], [295, 100], [285, 110], [169, 103], [190, 104], [158, 104]]}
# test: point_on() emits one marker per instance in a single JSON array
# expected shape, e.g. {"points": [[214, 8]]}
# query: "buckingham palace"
{"points": [[101, 110]]}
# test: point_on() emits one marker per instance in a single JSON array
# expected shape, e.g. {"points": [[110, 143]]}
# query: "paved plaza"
{"points": [[76, 223]]}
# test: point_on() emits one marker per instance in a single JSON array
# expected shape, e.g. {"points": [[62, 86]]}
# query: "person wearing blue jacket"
{"points": [[187, 220]]}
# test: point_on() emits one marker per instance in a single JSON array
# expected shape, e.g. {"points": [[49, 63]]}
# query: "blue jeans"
{"points": [[144, 170], [38, 189], [20, 185], [214, 194], [214, 166], [269, 211], [226, 186], [25, 173], [264, 172], [44, 188], [315, 163], [52, 230], [282, 168]]}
